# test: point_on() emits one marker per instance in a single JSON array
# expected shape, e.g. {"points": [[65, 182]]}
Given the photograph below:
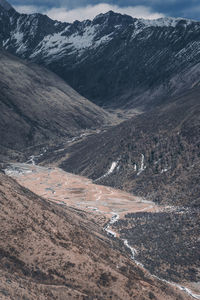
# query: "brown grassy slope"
{"points": [[47, 252]]}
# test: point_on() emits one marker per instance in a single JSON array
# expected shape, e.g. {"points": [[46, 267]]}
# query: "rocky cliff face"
{"points": [[114, 60]]}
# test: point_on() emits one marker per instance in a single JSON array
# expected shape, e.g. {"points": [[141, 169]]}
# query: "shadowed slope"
{"points": [[37, 106]]}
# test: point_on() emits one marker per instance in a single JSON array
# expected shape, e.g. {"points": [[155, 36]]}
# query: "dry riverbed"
{"points": [[72, 190]]}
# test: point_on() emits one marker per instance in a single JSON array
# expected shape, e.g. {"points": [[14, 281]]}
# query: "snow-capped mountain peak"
{"points": [[165, 22], [160, 22], [113, 52]]}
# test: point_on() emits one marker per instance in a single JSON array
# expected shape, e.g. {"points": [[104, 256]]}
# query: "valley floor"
{"points": [[122, 215], [72, 190]]}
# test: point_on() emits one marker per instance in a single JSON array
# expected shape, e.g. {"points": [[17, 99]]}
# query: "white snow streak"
{"points": [[57, 43], [113, 166], [31, 160], [110, 171], [142, 167], [142, 24], [164, 170], [18, 36]]}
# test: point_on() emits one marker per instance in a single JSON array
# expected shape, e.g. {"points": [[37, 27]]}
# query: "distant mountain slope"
{"points": [[36, 106], [155, 155], [49, 252], [114, 60]]}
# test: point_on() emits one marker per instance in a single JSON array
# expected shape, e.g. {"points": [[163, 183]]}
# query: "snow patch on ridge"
{"points": [[58, 42], [142, 24], [110, 171], [165, 22], [164, 170], [142, 167], [113, 166], [18, 36]]}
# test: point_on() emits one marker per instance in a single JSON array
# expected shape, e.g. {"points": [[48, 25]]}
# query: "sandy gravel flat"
{"points": [[68, 189]]}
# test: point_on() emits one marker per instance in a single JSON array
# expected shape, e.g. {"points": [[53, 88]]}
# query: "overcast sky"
{"points": [[70, 10]]}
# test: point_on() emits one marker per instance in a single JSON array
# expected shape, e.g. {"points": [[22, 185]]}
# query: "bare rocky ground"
{"points": [[137, 220], [50, 252]]}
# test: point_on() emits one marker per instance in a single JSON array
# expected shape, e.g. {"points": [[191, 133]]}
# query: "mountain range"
{"points": [[114, 60], [138, 132]]}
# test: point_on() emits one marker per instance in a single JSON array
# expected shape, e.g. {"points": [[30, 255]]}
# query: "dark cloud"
{"points": [[173, 8]]}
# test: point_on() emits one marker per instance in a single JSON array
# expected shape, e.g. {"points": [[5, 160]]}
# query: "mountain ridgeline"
{"points": [[114, 60]]}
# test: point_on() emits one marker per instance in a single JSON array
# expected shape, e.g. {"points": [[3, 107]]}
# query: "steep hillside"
{"points": [[114, 60], [155, 155], [36, 106], [166, 243], [47, 252]]}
